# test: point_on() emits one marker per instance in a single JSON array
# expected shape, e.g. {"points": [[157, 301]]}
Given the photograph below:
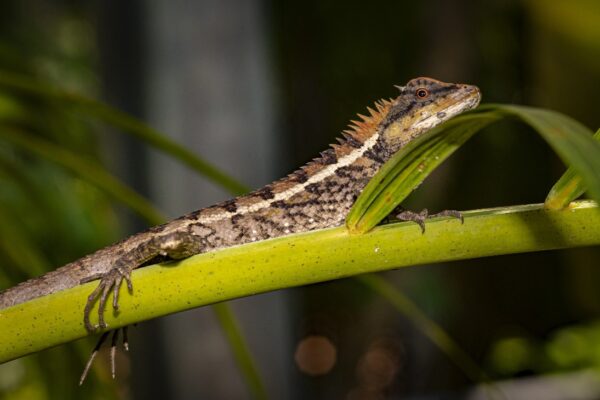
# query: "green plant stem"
{"points": [[298, 260], [240, 348], [430, 328]]}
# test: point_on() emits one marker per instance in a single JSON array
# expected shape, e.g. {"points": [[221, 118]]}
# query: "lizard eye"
{"points": [[422, 93]]}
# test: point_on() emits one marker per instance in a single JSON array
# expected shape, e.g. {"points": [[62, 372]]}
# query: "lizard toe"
{"points": [[113, 350], [88, 308], [110, 281]]}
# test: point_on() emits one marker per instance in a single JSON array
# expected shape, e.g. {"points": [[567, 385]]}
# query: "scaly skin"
{"points": [[318, 195]]}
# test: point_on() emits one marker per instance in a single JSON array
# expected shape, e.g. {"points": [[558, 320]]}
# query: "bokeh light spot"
{"points": [[315, 355]]}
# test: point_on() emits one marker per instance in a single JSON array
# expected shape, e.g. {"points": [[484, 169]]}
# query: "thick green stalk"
{"points": [[298, 260]]}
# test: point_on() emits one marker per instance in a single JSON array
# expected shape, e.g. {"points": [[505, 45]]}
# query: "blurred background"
{"points": [[258, 88]]}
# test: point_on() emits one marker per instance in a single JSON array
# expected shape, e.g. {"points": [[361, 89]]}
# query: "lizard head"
{"points": [[423, 104]]}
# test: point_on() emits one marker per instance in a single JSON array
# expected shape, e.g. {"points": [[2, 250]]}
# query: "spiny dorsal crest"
{"points": [[353, 137]]}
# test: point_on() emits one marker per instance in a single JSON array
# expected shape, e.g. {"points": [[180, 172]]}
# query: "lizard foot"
{"points": [[113, 350], [419, 218], [110, 280]]}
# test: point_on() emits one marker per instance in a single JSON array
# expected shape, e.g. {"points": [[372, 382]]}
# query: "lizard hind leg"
{"points": [[174, 245], [113, 279]]}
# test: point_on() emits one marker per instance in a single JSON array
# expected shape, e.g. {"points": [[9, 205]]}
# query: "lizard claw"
{"points": [[450, 213], [113, 350], [113, 279], [418, 218]]}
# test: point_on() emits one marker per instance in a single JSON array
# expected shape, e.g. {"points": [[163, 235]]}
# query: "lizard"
{"points": [[317, 195]]}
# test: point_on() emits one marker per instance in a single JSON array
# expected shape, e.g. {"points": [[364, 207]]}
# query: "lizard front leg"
{"points": [[175, 245], [420, 217]]}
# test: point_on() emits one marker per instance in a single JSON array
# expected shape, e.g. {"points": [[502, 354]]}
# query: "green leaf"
{"points": [[240, 350], [86, 168], [568, 188], [430, 328], [406, 170], [119, 119], [572, 141]]}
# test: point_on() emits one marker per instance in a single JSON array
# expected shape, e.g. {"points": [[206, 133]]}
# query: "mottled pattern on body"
{"points": [[318, 195]]}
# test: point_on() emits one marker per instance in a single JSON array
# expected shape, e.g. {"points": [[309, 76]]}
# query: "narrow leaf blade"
{"points": [[407, 169], [83, 167], [571, 140], [123, 121], [568, 188]]}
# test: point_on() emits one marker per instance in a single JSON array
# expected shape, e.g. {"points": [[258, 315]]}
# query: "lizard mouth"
{"points": [[467, 97], [472, 95], [464, 99]]}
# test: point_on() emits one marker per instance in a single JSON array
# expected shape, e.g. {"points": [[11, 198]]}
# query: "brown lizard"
{"points": [[318, 195]]}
